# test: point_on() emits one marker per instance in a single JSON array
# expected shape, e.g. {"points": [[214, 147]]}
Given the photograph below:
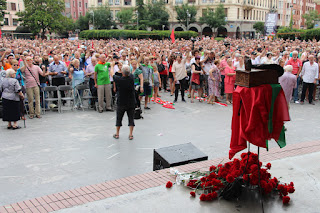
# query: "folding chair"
{"points": [[67, 81], [50, 92], [68, 90], [86, 93]]}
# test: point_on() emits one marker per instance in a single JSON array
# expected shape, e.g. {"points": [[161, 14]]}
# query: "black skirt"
{"points": [[11, 110]]}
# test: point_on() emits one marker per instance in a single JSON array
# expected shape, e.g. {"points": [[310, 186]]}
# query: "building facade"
{"points": [[76, 8], [10, 21], [240, 14]]}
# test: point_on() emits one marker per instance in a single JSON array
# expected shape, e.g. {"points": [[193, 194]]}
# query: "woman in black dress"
{"points": [[11, 94]]}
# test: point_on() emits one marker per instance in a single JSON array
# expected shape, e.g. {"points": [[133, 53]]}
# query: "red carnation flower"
{"points": [[203, 197], [290, 189], [214, 195], [285, 199], [169, 184], [230, 178], [291, 184], [212, 168], [254, 167], [268, 165], [193, 194]]}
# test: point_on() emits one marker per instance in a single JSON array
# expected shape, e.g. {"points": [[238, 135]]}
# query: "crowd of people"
{"points": [[204, 67]]}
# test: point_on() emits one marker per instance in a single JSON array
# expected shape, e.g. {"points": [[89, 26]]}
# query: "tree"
{"points": [[82, 23], [184, 11], [214, 19], [3, 7], [101, 17], [141, 10], [125, 16], [67, 26], [42, 15], [156, 16], [311, 17], [259, 27]]}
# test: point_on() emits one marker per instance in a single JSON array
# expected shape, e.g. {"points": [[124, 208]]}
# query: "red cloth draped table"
{"points": [[259, 114]]}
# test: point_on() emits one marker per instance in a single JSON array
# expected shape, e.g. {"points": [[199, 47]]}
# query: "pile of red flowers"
{"points": [[248, 170]]}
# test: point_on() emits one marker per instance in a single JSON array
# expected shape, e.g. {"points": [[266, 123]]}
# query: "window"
{"points": [[192, 1], [117, 2], [86, 5], [179, 1], [74, 14], [222, 1], [154, 1], [211, 1], [238, 13], [204, 12], [100, 2], [67, 5], [293, 12], [127, 2], [15, 22], [111, 13], [294, 1], [244, 14], [254, 15], [13, 6], [79, 3], [116, 12], [80, 13], [226, 12], [74, 4], [6, 21], [204, 1], [110, 2]]}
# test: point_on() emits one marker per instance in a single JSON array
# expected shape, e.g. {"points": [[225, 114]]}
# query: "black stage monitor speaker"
{"points": [[176, 155]]}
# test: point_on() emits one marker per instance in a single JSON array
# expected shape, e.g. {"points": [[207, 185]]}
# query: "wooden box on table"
{"points": [[256, 77]]}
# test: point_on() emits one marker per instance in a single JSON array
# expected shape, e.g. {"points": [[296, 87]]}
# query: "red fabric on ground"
{"points": [[250, 117]]}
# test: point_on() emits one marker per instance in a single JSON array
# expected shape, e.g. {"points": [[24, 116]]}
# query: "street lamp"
{"points": [[188, 16], [92, 13], [137, 12]]}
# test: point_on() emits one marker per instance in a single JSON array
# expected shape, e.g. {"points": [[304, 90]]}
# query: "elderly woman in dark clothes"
{"points": [[11, 94]]}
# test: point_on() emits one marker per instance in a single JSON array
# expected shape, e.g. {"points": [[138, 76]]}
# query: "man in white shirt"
{"points": [[310, 75]]}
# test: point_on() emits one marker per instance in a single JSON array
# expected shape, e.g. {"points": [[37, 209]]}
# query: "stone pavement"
{"points": [[295, 163], [65, 151]]}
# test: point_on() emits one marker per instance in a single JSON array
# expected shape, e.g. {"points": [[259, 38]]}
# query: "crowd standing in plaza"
{"points": [[195, 70]]}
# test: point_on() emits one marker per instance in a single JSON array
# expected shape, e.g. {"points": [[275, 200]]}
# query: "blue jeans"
{"points": [[296, 90], [43, 85]]}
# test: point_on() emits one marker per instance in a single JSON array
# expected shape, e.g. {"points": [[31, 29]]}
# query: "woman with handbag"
{"points": [[195, 78], [21, 79], [11, 95], [229, 80]]}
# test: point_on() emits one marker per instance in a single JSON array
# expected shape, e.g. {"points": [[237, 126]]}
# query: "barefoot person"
{"points": [[126, 99]]}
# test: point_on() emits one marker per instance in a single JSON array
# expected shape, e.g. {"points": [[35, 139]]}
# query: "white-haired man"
{"points": [[309, 75], [288, 82], [297, 66], [125, 100]]}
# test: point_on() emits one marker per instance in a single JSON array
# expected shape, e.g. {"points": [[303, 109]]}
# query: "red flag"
{"points": [[92, 45], [78, 45], [172, 36], [0, 34]]}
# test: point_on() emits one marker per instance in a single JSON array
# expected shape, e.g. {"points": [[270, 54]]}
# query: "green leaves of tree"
{"points": [[3, 7], [182, 14], [311, 17], [215, 19], [125, 16], [259, 27], [42, 15]]}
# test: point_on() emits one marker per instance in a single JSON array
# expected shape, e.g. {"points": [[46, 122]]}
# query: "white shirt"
{"points": [[207, 67], [309, 72], [256, 60]]}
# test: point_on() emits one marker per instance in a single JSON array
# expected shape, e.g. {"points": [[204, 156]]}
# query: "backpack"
{"points": [[137, 113], [161, 67]]}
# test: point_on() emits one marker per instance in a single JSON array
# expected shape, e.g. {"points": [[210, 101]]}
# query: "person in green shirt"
{"points": [[138, 80], [102, 83]]}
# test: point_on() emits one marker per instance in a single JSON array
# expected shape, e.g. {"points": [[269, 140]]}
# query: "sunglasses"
{"points": [[15, 65]]}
